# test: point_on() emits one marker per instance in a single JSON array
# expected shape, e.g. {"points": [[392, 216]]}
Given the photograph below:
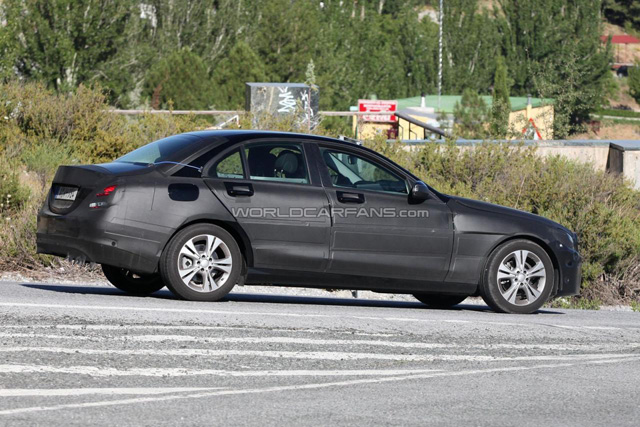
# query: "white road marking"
{"points": [[313, 355], [312, 341], [103, 327], [224, 339], [181, 372], [46, 392], [313, 386], [270, 314]]}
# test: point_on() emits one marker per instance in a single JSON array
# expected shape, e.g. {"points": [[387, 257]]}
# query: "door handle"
{"points": [[345, 197], [235, 189]]}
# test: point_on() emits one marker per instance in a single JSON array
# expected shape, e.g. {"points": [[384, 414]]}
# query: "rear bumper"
{"points": [[89, 240], [570, 268]]}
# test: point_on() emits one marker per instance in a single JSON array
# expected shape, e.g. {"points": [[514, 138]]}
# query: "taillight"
{"points": [[107, 191]]}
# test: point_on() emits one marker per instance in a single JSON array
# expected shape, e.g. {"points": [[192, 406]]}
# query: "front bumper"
{"points": [[570, 270]]}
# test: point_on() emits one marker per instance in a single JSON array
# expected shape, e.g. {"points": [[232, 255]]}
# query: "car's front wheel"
{"points": [[519, 278], [132, 283], [440, 301], [201, 263]]}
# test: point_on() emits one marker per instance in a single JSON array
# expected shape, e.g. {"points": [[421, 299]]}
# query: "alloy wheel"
{"points": [[204, 263], [521, 277]]}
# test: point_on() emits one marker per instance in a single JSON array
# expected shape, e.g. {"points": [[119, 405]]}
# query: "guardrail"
{"points": [[224, 112]]}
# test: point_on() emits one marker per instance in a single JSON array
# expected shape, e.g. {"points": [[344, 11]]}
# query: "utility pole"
{"points": [[440, 54]]}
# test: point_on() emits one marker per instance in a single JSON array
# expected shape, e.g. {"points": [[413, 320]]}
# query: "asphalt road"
{"points": [[89, 355]]}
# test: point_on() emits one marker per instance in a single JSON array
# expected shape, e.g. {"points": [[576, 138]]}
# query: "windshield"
{"points": [[160, 150]]}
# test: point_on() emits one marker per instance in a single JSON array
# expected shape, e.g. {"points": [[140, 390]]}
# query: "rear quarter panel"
{"points": [[156, 206]]}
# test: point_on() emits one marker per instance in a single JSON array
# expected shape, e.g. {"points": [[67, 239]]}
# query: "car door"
{"points": [[268, 187], [377, 230]]}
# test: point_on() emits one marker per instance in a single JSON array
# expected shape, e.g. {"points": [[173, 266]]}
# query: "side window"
{"points": [[351, 171], [277, 161], [230, 167]]}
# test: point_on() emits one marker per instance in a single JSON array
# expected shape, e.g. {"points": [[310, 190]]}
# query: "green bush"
{"points": [[40, 130], [13, 195]]}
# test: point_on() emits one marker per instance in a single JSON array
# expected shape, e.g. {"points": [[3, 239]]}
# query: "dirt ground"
{"points": [[610, 130]]}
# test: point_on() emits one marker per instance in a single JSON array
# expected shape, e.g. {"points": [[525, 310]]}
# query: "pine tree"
{"points": [[471, 44], [553, 49], [240, 66], [180, 80], [310, 74], [501, 105], [471, 116], [622, 12], [66, 42]]}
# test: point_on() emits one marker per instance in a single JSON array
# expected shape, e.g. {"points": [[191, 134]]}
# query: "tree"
{"points": [[471, 44], [66, 42], [285, 37], [553, 48], [501, 106], [471, 116], [622, 12], [180, 80], [310, 74], [634, 81], [8, 46], [240, 66]]}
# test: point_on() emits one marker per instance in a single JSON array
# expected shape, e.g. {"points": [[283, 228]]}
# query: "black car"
{"points": [[203, 211]]}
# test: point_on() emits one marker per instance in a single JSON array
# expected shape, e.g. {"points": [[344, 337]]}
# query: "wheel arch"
{"points": [[232, 228], [554, 260]]}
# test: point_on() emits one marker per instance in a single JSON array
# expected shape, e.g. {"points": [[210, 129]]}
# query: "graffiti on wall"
{"points": [[284, 98]]}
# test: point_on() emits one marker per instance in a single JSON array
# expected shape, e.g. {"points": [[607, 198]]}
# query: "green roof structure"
{"points": [[447, 102]]}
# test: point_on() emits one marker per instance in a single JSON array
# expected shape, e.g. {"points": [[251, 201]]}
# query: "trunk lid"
{"points": [[72, 184]]}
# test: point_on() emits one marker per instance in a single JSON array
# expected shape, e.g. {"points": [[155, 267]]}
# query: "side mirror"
{"points": [[420, 191]]}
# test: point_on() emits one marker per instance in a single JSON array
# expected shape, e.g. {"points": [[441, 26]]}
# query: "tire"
{"points": [[132, 283], [188, 266], [440, 301], [523, 286]]}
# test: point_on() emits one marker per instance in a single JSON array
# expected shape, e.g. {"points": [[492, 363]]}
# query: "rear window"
{"points": [[160, 150]]}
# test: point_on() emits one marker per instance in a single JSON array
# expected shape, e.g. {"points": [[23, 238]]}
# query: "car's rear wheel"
{"points": [[201, 263], [440, 301], [132, 283], [518, 278]]}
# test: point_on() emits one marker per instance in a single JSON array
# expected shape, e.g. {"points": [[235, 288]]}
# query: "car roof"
{"points": [[249, 134]]}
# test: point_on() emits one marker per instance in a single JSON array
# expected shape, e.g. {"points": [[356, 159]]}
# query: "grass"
{"points": [[618, 113], [576, 303]]}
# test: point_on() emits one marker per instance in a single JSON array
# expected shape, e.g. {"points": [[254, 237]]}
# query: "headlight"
{"points": [[566, 238], [571, 240]]}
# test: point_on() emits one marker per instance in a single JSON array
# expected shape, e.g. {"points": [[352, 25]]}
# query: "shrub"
{"points": [[40, 130], [13, 195]]}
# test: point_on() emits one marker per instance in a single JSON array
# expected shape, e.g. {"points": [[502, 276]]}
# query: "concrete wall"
{"points": [[631, 167], [613, 156], [596, 154]]}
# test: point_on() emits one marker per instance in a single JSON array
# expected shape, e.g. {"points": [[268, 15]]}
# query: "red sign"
{"points": [[379, 110]]}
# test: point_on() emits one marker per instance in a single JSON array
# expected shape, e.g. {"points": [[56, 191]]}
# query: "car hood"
{"points": [[503, 210]]}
